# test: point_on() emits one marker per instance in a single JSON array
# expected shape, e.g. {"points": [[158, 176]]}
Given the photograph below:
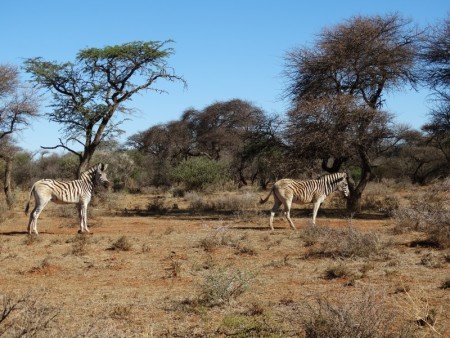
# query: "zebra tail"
{"points": [[262, 201], [27, 207]]}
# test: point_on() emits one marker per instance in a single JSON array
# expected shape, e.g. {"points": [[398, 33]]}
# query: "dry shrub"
{"points": [[446, 284], [222, 286], [79, 244], [197, 202], [26, 316], [122, 244], [156, 205], [428, 212], [242, 201], [250, 325], [339, 270], [416, 306], [379, 197], [225, 201], [219, 237], [348, 242], [365, 314]]}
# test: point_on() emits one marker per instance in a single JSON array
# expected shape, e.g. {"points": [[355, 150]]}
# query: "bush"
{"points": [[122, 244], [364, 316], [429, 212], [343, 243], [199, 172], [220, 287]]}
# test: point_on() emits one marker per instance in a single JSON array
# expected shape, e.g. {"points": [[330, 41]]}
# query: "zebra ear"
{"points": [[103, 166]]}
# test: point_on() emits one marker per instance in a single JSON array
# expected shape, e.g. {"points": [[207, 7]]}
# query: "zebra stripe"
{"points": [[77, 191], [286, 191]]}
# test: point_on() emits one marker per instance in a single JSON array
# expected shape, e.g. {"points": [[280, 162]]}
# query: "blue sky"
{"points": [[223, 49]]}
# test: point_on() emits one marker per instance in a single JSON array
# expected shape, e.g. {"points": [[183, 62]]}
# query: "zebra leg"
{"points": [[276, 206], [316, 208], [287, 209], [83, 217], [32, 224]]}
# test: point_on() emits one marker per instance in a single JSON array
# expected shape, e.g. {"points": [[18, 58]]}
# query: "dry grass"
{"points": [[186, 274]]}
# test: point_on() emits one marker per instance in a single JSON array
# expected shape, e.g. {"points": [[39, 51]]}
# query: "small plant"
{"points": [[79, 245], [174, 269], [122, 244], [121, 312], [337, 271], [446, 284], [156, 205], [209, 243], [221, 287], [245, 325], [245, 250]]}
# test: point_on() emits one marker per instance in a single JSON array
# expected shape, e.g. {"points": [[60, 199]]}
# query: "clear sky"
{"points": [[223, 49]]}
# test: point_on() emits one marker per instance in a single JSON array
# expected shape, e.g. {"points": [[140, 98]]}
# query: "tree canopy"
{"points": [[88, 93], [336, 89]]}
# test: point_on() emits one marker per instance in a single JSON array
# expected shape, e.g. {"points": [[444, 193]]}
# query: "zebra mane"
{"points": [[93, 169], [333, 178]]}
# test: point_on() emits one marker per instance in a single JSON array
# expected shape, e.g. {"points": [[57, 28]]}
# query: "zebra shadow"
{"points": [[13, 233]]}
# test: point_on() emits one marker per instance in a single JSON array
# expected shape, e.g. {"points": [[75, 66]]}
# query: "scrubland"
{"points": [[168, 263]]}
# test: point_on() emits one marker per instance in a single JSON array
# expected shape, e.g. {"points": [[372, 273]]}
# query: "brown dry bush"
{"points": [[428, 212], [446, 284], [344, 243], [122, 244], [79, 244], [250, 325], [222, 286], [339, 270], [26, 316], [378, 197], [225, 201], [365, 314]]}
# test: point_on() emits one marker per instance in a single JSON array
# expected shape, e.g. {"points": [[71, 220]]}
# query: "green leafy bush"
{"points": [[199, 172]]}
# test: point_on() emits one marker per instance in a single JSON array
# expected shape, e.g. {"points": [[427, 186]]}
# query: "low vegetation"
{"points": [[206, 270]]}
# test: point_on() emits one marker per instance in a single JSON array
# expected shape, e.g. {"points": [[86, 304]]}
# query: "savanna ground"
{"points": [[157, 265]]}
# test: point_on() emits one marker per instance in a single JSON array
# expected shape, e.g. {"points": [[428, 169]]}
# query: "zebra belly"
{"points": [[302, 199], [65, 199]]}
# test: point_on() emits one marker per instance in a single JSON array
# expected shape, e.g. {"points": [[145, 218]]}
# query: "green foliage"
{"points": [[199, 172], [134, 50]]}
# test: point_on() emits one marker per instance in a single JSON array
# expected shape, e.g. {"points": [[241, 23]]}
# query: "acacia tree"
{"points": [[336, 89], [17, 105], [436, 57], [88, 94]]}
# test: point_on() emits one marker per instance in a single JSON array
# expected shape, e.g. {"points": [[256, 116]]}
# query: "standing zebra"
{"points": [[286, 191], [77, 191]]}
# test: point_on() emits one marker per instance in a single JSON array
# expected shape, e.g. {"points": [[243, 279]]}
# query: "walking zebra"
{"points": [[286, 191], [77, 191]]}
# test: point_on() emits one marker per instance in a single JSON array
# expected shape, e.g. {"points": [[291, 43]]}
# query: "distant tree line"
{"points": [[335, 122]]}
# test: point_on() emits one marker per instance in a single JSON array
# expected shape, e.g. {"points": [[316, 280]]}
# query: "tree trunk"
{"points": [[354, 200], [85, 160], [7, 182]]}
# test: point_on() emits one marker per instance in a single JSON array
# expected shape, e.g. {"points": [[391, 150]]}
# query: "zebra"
{"points": [[286, 191], [78, 191]]}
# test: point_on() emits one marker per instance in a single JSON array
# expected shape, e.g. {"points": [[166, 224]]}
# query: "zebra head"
{"points": [[100, 175], [343, 185]]}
